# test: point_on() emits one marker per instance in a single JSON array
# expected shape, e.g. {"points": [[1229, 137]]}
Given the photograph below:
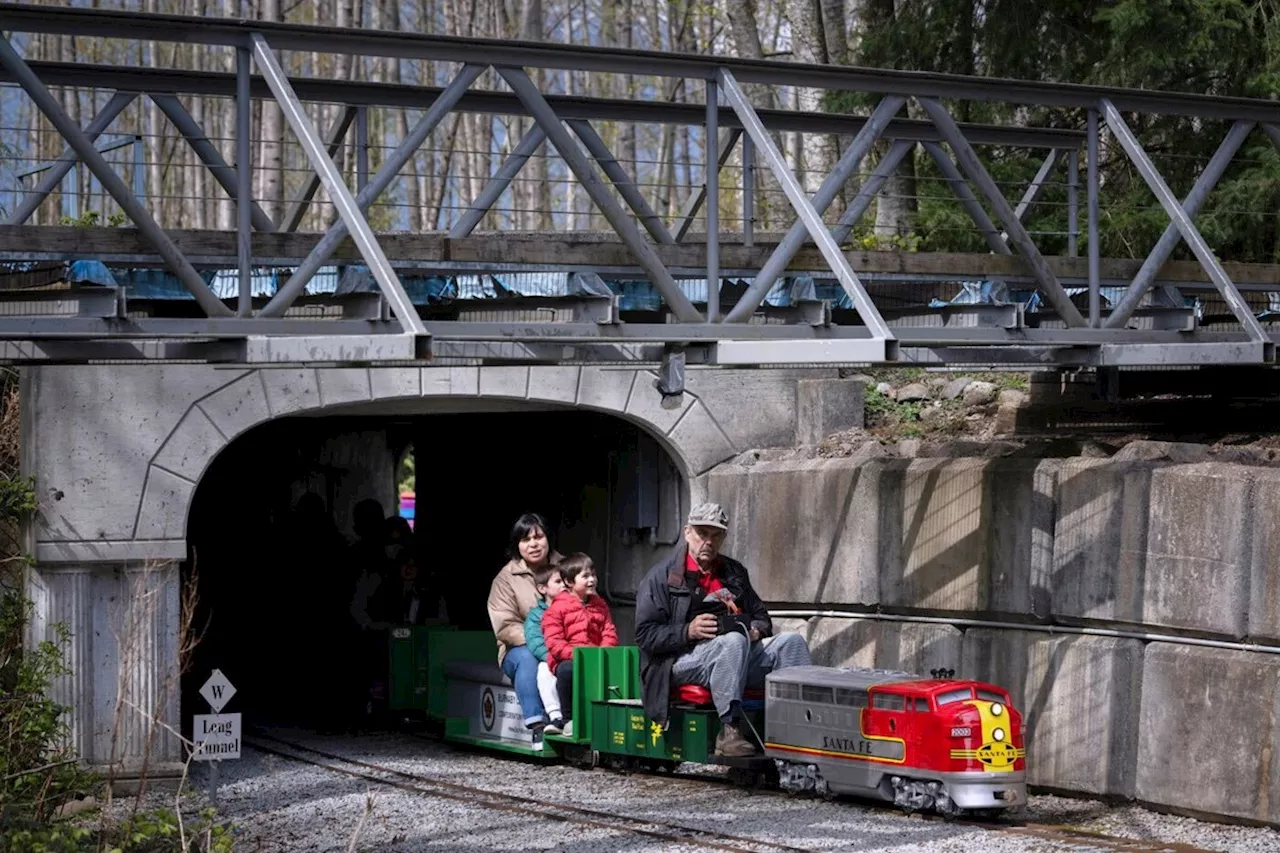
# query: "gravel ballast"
{"points": [[277, 804]]}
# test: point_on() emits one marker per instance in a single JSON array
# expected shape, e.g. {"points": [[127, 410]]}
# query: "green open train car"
{"points": [[451, 678]]}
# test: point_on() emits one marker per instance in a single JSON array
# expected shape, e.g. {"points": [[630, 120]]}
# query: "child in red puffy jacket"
{"points": [[576, 617]]}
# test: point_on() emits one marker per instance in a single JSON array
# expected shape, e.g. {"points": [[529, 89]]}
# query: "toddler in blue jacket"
{"points": [[549, 584]]}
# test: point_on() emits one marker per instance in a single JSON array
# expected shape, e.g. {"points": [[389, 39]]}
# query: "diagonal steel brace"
{"points": [[361, 233], [498, 183], [807, 214], [53, 177], [968, 200], [626, 186], [1169, 239], [1035, 189], [577, 162], [223, 173], [1195, 241], [829, 190], [111, 182], [972, 166], [333, 144], [869, 190], [409, 146], [728, 141]]}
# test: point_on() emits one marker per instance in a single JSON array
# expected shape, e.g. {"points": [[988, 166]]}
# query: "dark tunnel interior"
{"points": [[272, 586]]}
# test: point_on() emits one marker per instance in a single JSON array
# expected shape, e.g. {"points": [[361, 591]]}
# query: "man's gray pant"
{"points": [[731, 663]]}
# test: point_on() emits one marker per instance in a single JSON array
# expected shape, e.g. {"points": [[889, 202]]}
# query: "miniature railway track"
{"points": [[417, 783]]}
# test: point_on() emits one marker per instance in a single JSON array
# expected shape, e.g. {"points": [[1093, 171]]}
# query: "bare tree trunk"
{"points": [[153, 147], [272, 146]]}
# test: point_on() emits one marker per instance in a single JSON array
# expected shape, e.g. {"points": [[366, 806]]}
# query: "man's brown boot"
{"points": [[731, 744]]}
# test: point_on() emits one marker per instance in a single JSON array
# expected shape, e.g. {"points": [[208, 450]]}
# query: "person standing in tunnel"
{"points": [[313, 544], [365, 560], [512, 595]]}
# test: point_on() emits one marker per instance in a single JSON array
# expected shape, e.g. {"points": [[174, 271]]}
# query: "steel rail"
{"points": [[124, 78], [135, 26], [534, 807]]}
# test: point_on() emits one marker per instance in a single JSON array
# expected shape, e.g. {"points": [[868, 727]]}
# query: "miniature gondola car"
{"points": [[920, 743]]}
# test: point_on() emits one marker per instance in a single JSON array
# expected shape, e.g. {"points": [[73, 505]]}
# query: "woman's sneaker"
{"points": [[567, 728], [555, 727]]}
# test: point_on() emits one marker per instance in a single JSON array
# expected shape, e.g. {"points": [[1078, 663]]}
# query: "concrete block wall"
{"points": [[1173, 552]]}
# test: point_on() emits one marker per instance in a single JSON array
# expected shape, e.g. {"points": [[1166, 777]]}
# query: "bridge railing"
{"points": [[653, 241]]}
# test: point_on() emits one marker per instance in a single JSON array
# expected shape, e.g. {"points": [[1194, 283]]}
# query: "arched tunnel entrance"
{"points": [[273, 560]]}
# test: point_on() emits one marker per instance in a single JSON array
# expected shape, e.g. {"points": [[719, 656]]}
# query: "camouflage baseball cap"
{"points": [[709, 515]]}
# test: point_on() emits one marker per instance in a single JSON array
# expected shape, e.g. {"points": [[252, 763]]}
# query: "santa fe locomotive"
{"points": [[920, 743]]}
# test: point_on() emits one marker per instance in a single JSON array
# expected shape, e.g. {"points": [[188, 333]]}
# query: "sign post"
{"points": [[216, 735]]}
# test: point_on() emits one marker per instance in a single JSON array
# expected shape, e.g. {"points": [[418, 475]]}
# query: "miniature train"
{"points": [[922, 743]]}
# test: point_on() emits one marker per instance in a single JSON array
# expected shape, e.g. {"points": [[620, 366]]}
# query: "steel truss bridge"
{"points": [[1148, 326]]}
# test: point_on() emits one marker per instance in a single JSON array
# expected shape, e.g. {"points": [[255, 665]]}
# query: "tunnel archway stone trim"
{"points": [[691, 433], [128, 491]]}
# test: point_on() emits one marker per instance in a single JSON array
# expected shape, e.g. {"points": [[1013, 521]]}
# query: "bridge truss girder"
{"points": [[805, 335]]}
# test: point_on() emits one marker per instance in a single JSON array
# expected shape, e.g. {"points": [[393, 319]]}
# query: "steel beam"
{"points": [[1191, 205], [1073, 192], [711, 187], [546, 118], [812, 221], [244, 189], [1183, 223], [749, 192], [498, 183], [53, 177], [111, 182], [349, 209], [314, 39], [224, 174], [693, 203], [827, 192], [968, 159], [1093, 179], [870, 189], [968, 200], [1034, 190], [621, 180], [333, 144], [356, 93]]}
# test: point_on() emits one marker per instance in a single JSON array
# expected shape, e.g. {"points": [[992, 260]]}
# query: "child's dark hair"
{"points": [[542, 574], [574, 565]]}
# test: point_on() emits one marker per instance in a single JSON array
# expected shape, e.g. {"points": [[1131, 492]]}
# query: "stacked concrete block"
{"points": [[1263, 518], [1207, 737], [910, 647], [1198, 554], [809, 530], [941, 521], [1018, 495], [1100, 537], [1079, 697]]}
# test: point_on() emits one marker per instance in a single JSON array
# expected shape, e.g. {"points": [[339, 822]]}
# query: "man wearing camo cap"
{"points": [[699, 621]]}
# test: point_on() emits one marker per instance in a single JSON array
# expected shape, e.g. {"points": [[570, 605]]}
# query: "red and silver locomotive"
{"points": [[920, 743]]}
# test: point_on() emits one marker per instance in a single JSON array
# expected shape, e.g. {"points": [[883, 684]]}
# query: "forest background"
{"points": [[1222, 47]]}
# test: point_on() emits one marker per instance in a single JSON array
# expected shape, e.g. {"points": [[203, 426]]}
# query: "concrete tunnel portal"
{"points": [[256, 568]]}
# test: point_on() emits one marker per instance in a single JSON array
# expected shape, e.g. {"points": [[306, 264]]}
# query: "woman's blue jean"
{"points": [[522, 668]]}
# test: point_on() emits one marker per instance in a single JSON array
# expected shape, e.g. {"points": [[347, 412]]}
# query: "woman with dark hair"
{"points": [[511, 596]]}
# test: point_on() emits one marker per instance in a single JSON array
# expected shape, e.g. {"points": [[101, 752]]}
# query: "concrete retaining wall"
{"points": [[1177, 550]]}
